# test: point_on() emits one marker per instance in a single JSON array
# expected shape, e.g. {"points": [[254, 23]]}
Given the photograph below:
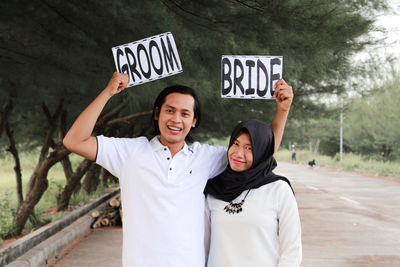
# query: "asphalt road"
{"points": [[347, 220]]}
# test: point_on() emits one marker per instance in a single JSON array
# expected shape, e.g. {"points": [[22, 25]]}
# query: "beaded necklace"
{"points": [[236, 207]]}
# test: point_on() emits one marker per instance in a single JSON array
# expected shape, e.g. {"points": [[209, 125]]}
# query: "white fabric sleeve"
{"points": [[112, 153], [290, 248], [218, 159], [207, 230]]}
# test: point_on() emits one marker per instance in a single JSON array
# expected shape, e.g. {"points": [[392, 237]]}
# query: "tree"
{"points": [[56, 52], [322, 130], [372, 123]]}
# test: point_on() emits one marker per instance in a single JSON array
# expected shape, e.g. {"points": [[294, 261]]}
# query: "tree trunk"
{"points": [[13, 150], [72, 183], [39, 187], [5, 112], [48, 140], [92, 179], [317, 146], [104, 175]]}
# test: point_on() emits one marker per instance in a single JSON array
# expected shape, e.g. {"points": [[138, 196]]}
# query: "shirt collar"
{"points": [[157, 146]]}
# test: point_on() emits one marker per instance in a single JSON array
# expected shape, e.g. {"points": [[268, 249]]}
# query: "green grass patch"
{"points": [[45, 210], [349, 162]]}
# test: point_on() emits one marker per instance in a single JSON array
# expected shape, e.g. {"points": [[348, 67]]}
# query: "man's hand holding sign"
{"points": [[118, 82]]}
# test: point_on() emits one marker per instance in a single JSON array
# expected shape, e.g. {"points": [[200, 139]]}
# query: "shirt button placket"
{"points": [[167, 154], [171, 169]]}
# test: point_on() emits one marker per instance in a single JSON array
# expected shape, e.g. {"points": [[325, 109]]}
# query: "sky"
{"points": [[391, 22]]}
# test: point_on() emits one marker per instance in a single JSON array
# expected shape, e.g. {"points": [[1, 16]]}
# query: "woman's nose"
{"points": [[240, 152]]}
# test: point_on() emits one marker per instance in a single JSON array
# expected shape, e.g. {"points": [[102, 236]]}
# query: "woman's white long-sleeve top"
{"points": [[266, 233]]}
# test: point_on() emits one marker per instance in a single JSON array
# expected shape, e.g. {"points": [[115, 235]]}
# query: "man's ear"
{"points": [[194, 122], [156, 113]]}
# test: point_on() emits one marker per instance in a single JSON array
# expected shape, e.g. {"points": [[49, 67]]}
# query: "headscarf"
{"points": [[230, 184]]}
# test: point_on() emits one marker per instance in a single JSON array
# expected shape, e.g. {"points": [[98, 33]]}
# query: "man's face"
{"points": [[176, 118]]}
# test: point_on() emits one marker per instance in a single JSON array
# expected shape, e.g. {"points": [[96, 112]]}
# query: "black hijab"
{"points": [[230, 184]]}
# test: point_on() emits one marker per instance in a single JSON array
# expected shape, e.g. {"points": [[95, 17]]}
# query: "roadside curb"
{"points": [[40, 246]]}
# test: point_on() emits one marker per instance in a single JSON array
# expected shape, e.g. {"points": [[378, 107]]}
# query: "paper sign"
{"points": [[250, 76], [148, 59]]}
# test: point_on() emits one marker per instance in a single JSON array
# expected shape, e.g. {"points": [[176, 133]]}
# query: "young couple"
{"points": [[250, 215]]}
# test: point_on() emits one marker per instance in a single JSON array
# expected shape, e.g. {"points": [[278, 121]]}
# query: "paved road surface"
{"points": [[347, 220], [101, 248]]}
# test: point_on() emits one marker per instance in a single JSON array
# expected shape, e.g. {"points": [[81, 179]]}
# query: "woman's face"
{"points": [[240, 154]]}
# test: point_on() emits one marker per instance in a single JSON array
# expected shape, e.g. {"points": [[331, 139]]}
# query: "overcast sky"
{"points": [[391, 22]]}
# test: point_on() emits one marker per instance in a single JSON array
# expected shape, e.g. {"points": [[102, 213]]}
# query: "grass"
{"points": [[349, 162], [45, 210]]}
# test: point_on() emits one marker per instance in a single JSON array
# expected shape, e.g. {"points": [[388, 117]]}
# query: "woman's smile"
{"points": [[238, 162]]}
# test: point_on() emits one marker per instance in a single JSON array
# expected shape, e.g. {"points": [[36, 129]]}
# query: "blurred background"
{"points": [[341, 58]]}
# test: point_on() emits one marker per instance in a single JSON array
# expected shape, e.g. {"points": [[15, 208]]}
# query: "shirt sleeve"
{"points": [[218, 159], [289, 234], [113, 153], [207, 230]]}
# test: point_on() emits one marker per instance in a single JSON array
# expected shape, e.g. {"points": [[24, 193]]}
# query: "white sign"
{"points": [[250, 76], [148, 59]]}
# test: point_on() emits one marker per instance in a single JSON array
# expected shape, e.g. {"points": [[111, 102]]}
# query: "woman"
{"points": [[253, 213]]}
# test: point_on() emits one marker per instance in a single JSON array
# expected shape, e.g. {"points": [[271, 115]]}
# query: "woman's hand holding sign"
{"points": [[283, 95]]}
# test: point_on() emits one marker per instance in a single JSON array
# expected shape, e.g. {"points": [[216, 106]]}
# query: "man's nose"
{"points": [[176, 117]]}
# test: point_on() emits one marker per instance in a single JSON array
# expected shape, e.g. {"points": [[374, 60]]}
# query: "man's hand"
{"points": [[283, 95], [117, 83]]}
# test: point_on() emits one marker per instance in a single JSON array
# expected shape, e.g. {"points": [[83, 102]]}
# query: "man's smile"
{"points": [[174, 129]]}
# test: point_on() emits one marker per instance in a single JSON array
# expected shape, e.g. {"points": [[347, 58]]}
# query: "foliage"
{"points": [[45, 210], [322, 130], [350, 162], [372, 124], [55, 49], [7, 213]]}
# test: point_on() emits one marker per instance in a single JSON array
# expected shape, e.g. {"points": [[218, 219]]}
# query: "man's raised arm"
{"points": [[79, 139], [284, 97]]}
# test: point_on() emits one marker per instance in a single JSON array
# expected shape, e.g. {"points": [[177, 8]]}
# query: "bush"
{"points": [[7, 214]]}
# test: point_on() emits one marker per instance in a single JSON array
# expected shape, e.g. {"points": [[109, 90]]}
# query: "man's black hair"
{"points": [[181, 89]]}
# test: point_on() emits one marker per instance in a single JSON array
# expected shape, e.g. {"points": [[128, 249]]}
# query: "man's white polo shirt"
{"points": [[162, 198]]}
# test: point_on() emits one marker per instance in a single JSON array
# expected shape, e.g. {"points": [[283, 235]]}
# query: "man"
{"points": [[162, 180]]}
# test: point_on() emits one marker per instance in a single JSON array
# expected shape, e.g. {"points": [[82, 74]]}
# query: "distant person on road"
{"points": [[311, 163], [253, 215], [293, 153], [162, 179]]}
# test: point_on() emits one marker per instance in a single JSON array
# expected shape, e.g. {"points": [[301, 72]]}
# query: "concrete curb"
{"points": [[47, 250], [38, 247]]}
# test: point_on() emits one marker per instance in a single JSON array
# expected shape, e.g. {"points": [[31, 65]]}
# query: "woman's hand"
{"points": [[283, 95]]}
